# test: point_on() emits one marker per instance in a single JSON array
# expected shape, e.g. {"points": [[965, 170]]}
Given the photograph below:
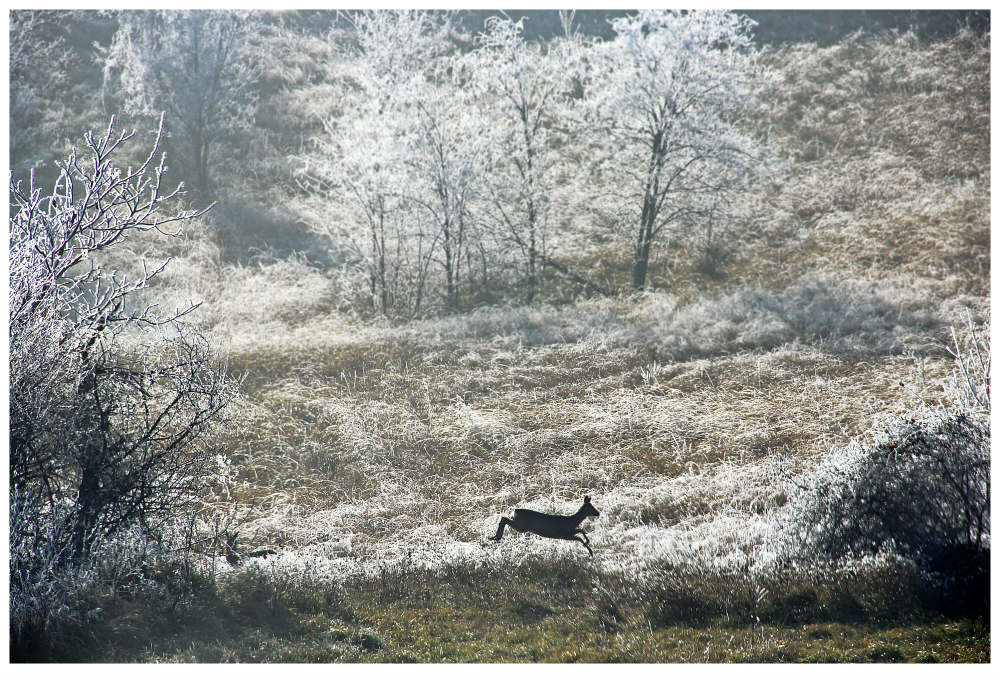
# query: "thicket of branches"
{"points": [[105, 428]]}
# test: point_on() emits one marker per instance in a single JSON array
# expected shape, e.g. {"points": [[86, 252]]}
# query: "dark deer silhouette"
{"points": [[551, 525]]}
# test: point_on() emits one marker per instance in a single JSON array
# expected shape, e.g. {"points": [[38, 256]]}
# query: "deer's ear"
{"points": [[586, 498]]}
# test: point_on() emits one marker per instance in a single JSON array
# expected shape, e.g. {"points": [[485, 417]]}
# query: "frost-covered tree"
{"points": [[108, 398], [448, 150], [521, 90], [670, 91], [356, 195], [406, 158], [357, 179], [197, 67], [445, 145], [39, 60], [376, 195]]}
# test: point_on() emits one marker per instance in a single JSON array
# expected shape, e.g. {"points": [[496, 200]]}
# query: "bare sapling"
{"points": [[551, 525]]}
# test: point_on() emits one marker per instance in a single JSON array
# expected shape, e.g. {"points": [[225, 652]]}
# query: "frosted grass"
{"points": [[684, 417]]}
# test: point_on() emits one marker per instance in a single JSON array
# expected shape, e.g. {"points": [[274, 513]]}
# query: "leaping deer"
{"points": [[550, 525]]}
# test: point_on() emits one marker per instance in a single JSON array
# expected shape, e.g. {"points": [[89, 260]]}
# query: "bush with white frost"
{"points": [[917, 487], [109, 399]]}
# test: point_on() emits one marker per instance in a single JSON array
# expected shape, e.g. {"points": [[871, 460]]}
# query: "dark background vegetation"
{"points": [[774, 26]]}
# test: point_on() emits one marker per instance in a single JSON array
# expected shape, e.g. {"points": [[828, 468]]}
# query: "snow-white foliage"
{"points": [[522, 90], [195, 66], [671, 92], [407, 161]]}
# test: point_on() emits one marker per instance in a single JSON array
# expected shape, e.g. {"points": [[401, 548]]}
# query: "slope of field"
{"points": [[376, 458]]}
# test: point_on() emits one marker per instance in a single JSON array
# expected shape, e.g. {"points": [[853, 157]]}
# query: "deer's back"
{"points": [[549, 525]]}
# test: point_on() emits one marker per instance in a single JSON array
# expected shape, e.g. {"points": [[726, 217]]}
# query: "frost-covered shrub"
{"points": [[110, 400], [55, 607], [969, 385], [841, 316], [920, 486], [917, 488], [39, 580]]}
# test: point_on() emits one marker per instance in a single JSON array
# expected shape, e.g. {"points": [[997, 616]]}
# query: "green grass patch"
{"points": [[495, 634]]}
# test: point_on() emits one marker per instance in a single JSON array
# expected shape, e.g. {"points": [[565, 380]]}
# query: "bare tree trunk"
{"points": [[199, 163], [425, 257], [379, 286], [203, 166], [485, 263], [529, 176], [449, 267], [373, 274], [640, 260], [532, 250], [650, 209]]}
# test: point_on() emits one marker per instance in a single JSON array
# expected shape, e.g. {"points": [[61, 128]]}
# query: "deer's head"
{"points": [[588, 509]]}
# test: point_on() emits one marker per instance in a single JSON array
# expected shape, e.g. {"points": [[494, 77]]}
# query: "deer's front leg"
{"points": [[580, 531], [584, 544]]}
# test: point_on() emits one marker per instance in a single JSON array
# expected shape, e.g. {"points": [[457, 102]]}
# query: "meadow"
{"points": [[705, 417]]}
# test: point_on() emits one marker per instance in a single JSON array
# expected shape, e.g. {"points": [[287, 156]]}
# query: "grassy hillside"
{"points": [[375, 458]]}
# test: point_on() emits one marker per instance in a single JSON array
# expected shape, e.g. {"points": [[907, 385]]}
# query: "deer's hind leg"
{"points": [[504, 521]]}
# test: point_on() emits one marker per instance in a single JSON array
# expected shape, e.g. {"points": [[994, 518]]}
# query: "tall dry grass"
{"points": [[682, 414], [891, 176]]}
